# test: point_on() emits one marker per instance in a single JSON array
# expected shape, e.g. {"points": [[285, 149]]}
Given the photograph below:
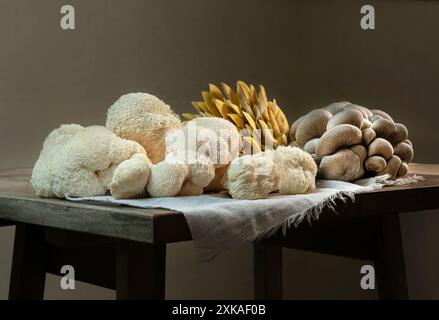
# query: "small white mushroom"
{"points": [[166, 178], [343, 165], [380, 147], [392, 167], [399, 134], [368, 136], [375, 163], [404, 151], [311, 145], [353, 117], [312, 126], [383, 128], [343, 135]]}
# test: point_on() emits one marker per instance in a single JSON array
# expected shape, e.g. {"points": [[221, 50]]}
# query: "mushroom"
{"points": [[364, 111], [381, 114], [399, 134], [368, 136], [343, 135], [353, 117], [392, 167], [316, 158], [343, 165], [380, 147], [336, 107], [383, 127], [355, 140], [375, 164], [167, 178], [404, 151], [311, 145], [360, 151], [403, 170], [408, 142], [294, 128], [366, 124], [312, 126]]}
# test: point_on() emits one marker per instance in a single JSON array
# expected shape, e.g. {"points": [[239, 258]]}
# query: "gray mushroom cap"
{"points": [[312, 126], [343, 135]]}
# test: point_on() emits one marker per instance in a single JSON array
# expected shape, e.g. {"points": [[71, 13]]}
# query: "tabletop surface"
{"points": [[18, 203]]}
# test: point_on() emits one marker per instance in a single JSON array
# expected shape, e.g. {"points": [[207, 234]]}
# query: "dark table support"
{"points": [[390, 264], [140, 270], [28, 273], [267, 270]]}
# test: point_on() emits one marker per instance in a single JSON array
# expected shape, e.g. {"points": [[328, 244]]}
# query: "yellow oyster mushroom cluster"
{"points": [[350, 142], [261, 123]]}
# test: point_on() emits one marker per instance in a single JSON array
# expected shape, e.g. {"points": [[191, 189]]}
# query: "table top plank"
{"points": [[19, 203]]}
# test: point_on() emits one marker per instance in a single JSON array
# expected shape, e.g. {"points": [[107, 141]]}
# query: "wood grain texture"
{"points": [[19, 203]]}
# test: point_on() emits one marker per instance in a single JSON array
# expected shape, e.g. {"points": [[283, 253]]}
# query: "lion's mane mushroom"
{"points": [[288, 170], [357, 142]]}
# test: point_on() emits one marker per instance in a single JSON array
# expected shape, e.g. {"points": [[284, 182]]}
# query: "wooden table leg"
{"points": [[140, 270], [28, 272], [267, 266], [390, 265]]}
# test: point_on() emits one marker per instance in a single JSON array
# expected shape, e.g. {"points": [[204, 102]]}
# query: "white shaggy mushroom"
{"points": [[167, 178], [85, 162], [297, 170], [252, 177], [143, 118], [288, 170], [204, 147]]}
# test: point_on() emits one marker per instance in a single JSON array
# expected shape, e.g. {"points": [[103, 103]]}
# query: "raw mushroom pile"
{"points": [[349, 142]]}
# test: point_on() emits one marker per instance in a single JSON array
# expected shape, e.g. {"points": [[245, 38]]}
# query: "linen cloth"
{"points": [[218, 222]]}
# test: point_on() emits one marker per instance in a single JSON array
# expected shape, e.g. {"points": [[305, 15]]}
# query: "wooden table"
{"points": [[124, 248]]}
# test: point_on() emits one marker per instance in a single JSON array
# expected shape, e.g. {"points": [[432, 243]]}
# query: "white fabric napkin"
{"points": [[218, 222]]}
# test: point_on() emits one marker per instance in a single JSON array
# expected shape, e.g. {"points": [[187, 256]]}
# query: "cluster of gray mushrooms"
{"points": [[350, 142]]}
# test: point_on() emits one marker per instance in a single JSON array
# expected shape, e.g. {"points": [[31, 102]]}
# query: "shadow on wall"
{"points": [[306, 53]]}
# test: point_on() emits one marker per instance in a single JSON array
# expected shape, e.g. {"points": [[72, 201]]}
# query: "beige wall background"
{"points": [[306, 53]]}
